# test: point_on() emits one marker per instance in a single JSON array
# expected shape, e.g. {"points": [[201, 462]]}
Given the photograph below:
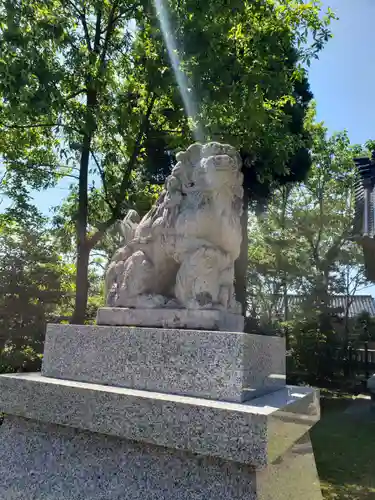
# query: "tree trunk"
{"points": [[346, 325], [85, 244], [282, 265], [83, 248], [240, 266], [286, 309], [82, 285]]}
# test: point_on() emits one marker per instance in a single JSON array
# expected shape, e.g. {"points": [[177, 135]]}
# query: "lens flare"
{"points": [[186, 90]]}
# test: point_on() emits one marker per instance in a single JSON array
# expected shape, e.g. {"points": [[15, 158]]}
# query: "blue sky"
{"points": [[343, 79]]}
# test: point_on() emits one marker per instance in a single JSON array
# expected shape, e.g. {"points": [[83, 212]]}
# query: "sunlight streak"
{"points": [[186, 90]]}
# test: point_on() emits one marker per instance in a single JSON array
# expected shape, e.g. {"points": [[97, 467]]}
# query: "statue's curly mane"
{"points": [[191, 177]]}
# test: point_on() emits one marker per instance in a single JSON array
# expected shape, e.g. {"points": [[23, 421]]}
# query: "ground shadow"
{"points": [[344, 451]]}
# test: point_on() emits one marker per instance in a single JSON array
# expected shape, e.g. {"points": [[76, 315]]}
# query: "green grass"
{"points": [[344, 448]]}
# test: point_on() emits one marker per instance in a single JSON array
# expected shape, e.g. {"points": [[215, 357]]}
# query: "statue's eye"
{"points": [[191, 184]]}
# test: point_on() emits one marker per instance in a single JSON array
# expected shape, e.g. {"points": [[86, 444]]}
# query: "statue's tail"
{"points": [[128, 228], [129, 225]]}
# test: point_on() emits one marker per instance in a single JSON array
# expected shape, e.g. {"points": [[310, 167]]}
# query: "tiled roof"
{"points": [[359, 304]]}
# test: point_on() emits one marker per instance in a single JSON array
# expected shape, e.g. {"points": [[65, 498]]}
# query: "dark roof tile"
{"points": [[359, 303]]}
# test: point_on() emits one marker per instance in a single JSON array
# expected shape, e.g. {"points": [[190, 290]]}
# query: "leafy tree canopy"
{"points": [[87, 90], [303, 244], [36, 285]]}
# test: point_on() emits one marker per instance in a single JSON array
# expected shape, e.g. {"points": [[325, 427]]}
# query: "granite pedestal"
{"points": [[108, 428], [214, 365]]}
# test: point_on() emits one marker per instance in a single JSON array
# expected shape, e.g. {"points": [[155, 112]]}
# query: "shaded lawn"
{"points": [[344, 449]]}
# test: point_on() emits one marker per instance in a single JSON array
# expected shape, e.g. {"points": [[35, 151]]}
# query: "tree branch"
{"points": [[39, 125], [82, 17], [124, 183], [86, 31], [51, 168], [72, 4], [332, 251], [121, 16], [96, 237], [365, 287], [136, 150], [99, 253], [31, 125], [93, 262], [109, 29], [75, 94], [97, 30], [104, 181], [314, 250], [126, 12]]}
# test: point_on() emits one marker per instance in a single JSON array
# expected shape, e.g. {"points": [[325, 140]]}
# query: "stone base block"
{"points": [[52, 462], [194, 319], [255, 433], [215, 365]]}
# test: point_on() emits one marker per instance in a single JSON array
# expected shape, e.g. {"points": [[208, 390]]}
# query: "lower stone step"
{"points": [[40, 461]]}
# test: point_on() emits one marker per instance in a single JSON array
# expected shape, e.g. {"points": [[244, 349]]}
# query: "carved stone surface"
{"points": [[182, 253], [192, 319]]}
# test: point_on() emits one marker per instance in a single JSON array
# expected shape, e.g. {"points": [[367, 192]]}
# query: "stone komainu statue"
{"points": [[182, 253]]}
